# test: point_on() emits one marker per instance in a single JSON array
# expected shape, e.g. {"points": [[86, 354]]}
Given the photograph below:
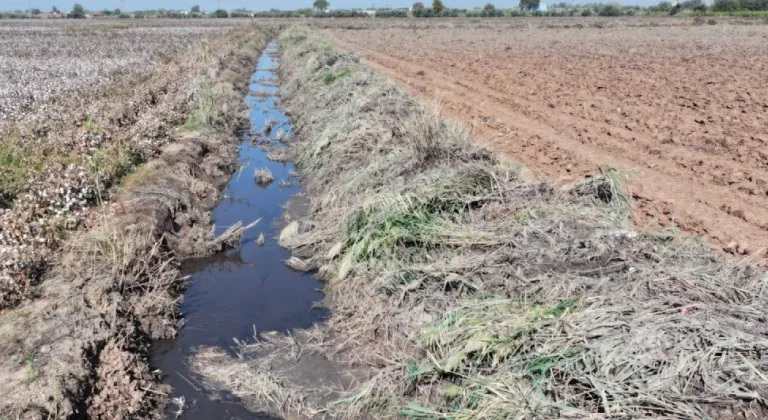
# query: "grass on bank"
{"points": [[476, 293]]}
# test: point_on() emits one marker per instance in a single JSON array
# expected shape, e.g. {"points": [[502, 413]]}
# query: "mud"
{"points": [[237, 295], [682, 109]]}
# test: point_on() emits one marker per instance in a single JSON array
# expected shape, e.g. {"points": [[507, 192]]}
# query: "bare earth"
{"points": [[684, 108]]}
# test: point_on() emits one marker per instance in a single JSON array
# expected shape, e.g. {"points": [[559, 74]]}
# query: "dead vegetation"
{"points": [[474, 292], [85, 332], [263, 177], [273, 374]]}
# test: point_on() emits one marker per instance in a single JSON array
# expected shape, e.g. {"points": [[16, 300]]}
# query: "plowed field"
{"points": [[683, 109]]}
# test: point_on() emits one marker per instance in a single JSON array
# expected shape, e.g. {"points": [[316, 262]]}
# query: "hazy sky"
{"points": [[211, 5]]}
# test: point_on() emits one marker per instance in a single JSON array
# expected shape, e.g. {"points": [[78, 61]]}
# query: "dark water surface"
{"points": [[233, 293]]}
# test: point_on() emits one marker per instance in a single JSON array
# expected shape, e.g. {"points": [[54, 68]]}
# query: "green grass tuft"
{"points": [[14, 170], [329, 77]]}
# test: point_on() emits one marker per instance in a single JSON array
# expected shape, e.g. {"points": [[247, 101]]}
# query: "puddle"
{"points": [[232, 294]]}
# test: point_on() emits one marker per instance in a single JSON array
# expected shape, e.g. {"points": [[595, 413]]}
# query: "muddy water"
{"points": [[232, 294]]}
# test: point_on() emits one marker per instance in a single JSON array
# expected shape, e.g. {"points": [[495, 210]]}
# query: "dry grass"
{"points": [[263, 176], [481, 294], [279, 154], [251, 381], [298, 264], [231, 237], [264, 375]]}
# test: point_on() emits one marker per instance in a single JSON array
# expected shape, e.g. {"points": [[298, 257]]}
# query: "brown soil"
{"points": [[684, 109]]}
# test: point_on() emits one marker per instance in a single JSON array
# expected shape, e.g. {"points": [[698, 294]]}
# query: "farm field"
{"points": [[79, 102], [456, 283], [45, 65], [681, 107]]}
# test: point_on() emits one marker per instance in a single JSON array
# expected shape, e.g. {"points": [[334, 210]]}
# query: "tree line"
{"points": [[321, 9]]}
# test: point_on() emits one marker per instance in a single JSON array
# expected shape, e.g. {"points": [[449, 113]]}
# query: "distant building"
{"points": [[370, 12], [51, 16]]}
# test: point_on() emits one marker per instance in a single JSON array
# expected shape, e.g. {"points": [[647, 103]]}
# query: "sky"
{"points": [[211, 5]]}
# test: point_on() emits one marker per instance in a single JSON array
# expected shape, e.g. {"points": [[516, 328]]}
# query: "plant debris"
{"points": [[263, 177]]}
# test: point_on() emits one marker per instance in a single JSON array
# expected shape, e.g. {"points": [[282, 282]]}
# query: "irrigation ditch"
{"points": [[241, 292]]}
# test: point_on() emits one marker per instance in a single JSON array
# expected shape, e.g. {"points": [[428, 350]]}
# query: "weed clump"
{"points": [[263, 177], [13, 171], [211, 112]]}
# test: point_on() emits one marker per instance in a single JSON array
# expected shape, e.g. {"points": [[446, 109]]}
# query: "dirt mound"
{"points": [[474, 292], [80, 346]]}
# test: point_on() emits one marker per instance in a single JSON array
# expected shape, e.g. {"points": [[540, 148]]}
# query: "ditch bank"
{"points": [[471, 291], [80, 348], [255, 290]]}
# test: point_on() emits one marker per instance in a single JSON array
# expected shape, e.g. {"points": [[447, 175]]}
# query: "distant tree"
{"points": [[35, 11], [726, 5], [221, 13], [107, 12], [417, 6], [437, 6], [320, 5], [754, 5], [306, 12], [488, 7], [664, 6], [117, 12], [124, 16], [78, 12], [240, 13], [54, 9], [691, 4], [195, 9], [609, 10], [529, 4]]}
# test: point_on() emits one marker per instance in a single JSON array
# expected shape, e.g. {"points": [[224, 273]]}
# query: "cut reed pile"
{"points": [[473, 292]]}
